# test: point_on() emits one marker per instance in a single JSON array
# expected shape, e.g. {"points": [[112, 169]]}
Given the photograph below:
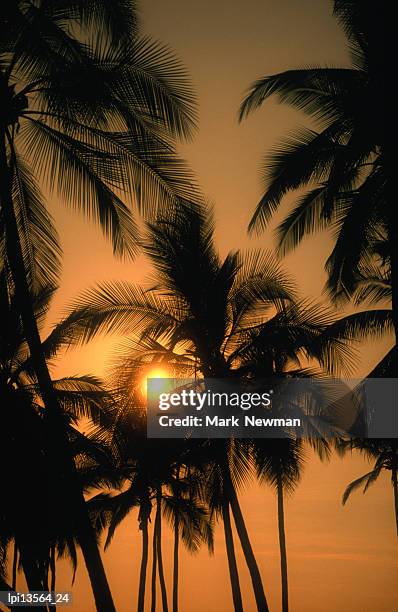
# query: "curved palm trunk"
{"points": [[282, 546], [176, 563], [395, 488], [251, 562], [144, 517], [232, 565], [158, 528], [154, 566], [58, 442]]}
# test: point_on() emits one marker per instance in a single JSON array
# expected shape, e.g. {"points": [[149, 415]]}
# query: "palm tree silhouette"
{"points": [[94, 117], [189, 518], [279, 463], [151, 476], [279, 351], [219, 318], [26, 465], [385, 455], [348, 163]]}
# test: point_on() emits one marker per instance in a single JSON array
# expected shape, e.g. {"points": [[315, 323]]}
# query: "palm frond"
{"points": [[82, 178], [361, 325], [355, 233], [306, 156], [38, 236], [117, 307], [153, 81], [85, 397], [366, 480], [317, 91]]}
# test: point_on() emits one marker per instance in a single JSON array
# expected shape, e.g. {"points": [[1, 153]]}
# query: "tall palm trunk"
{"points": [[144, 517], [176, 562], [241, 529], [282, 545], [58, 442], [232, 565], [176, 544], [158, 528], [154, 567], [395, 488]]}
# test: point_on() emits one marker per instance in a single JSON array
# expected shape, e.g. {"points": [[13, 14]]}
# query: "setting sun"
{"points": [[154, 373]]}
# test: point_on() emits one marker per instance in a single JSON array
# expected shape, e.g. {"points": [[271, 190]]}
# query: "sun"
{"points": [[157, 373]]}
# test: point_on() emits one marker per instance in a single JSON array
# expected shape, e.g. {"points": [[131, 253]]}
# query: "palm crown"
{"points": [[91, 111], [220, 317], [346, 163]]}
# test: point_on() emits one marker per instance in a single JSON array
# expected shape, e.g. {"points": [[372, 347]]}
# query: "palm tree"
{"points": [[280, 463], [189, 519], [347, 163], [26, 465], [385, 455], [279, 351], [206, 315], [150, 474], [95, 117]]}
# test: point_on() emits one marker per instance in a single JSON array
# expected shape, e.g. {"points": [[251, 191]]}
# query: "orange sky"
{"points": [[339, 558]]}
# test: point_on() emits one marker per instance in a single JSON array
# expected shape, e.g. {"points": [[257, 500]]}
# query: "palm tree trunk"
{"points": [[395, 488], [53, 574], [232, 565], [282, 546], [47, 573], [251, 562], [154, 566], [53, 569], [175, 563], [144, 559], [158, 527], [176, 543], [14, 567], [58, 441]]}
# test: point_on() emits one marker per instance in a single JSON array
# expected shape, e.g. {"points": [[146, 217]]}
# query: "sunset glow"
{"points": [[157, 373]]}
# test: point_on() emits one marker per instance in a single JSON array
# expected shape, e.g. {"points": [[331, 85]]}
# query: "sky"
{"points": [[339, 558]]}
